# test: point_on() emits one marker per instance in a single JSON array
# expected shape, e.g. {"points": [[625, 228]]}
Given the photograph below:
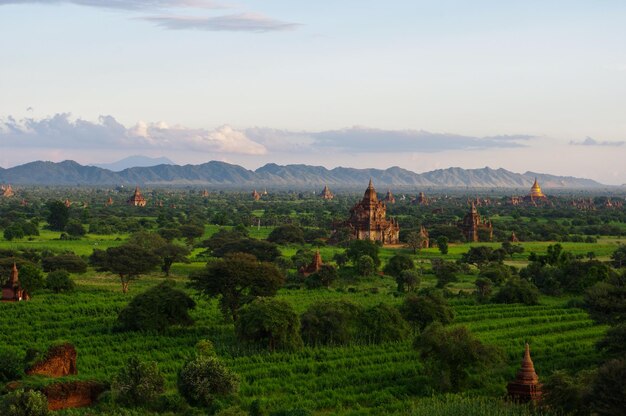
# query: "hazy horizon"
{"points": [[421, 85]]}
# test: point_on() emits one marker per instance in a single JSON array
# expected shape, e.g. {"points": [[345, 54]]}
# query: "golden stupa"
{"points": [[535, 191]]}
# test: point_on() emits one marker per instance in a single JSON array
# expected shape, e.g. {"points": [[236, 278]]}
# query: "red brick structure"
{"points": [[326, 194], [255, 195], [514, 238], [12, 290], [472, 224], [7, 191], [136, 199], [526, 387], [109, 202], [314, 267], [421, 199], [424, 237], [60, 361], [368, 220], [389, 198]]}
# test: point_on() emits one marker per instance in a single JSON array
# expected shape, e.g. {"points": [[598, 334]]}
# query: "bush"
{"points": [[70, 262], [204, 379], [397, 264], [323, 278], [59, 281], [138, 383], [330, 323], [365, 265], [359, 248], [382, 323], [75, 229], [286, 234], [24, 403], [270, 323], [11, 364], [408, 280], [157, 308], [518, 291], [422, 310]]}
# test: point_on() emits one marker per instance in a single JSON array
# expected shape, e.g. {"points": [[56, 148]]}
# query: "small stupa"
{"points": [[526, 387]]}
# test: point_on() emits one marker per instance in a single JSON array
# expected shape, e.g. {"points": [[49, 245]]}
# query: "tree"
{"points": [[518, 291], [236, 280], [59, 281], [365, 265], [75, 228], [358, 248], [191, 232], [138, 383], [424, 309], [453, 353], [24, 403], [511, 249], [287, 234], [128, 261], [408, 280], [608, 391], [442, 244], [614, 341], [330, 323], [31, 277], [157, 308], [498, 273], [11, 364], [13, 232], [484, 287], [478, 255], [397, 264], [171, 253], [69, 262], [323, 278], [58, 215], [382, 323], [414, 241], [270, 323], [445, 272], [606, 301], [262, 250], [204, 379], [619, 256], [341, 258], [568, 394]]}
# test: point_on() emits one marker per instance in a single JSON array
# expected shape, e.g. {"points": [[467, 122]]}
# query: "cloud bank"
{"points": [[127, 4], [592, 142], [242, 22]]}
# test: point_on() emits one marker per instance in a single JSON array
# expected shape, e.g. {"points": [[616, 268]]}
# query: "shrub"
{"points": [[157, 308], [323, 278], [75, 229], [359, 248], [138, 383], [286, 234], [382, 323], [59, 281], [11, 364], [408, 280], [330, 322], [70, 262], [24, 403], [270, 323], [204, 379], [397, 264], [422, 310], [518, 291], [365, 265]]}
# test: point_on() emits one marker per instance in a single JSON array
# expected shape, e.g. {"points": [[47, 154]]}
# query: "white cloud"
{"points": [[242, 22], [62, 132], [592, 142], [128, 4]]}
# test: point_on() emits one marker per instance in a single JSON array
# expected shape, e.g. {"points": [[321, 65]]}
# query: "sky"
{"points": [[526, 86]]}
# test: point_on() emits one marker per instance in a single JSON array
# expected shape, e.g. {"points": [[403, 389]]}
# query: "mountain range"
{"points": [[223, 174], [135, 161]]}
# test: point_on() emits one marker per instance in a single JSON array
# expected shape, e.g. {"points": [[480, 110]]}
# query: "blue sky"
{"points": [[534, 85]]}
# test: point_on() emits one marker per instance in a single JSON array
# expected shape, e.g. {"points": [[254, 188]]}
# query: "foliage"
{"points": [[68, 261], [11, 364], [262, 250], [408, 280], [236, 280], [365, 266], [614, 342], [191, 232], [619, 256], [171, 253], [517, 291], [138, 383], [397, 264], [341, 258], [287, 234], [424, 309], [608, 392], [453, 353], [330, 323], [479, 255], [606, 301], [24, 403], [359, 248], [484, 287], [59, 281], [128, 261], [270, 323], [414, 241], [157, 308], [31, 277], [75, 228], [382, 323], [497, 273], [205, 378], [58, 215], [568, 394], [442, 244], [323, 278], [445, 271]]}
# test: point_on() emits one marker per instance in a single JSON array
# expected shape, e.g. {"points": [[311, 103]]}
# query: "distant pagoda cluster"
{"points": [[7, 191], [473, 226], [137, 199], [326, 194], [368, 220]]}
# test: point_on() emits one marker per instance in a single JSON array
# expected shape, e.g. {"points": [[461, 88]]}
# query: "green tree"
{"points": [[608, 391], [128, 261], [157, 308], [270, 323], [442, 244], [408, 280], [359, 248], [68, 261], [397, 264], [484, 287], [365, 265], [414, 241], [75, 228], [191, 232], [518, 291], [606, 301], [424, 309], [452, 354], [58, 215], [618, 257], [382, 323], [11, 364], [323, 278], [24, 403], [341, 258], [31, 277], [59, 281], [204, 379], [498, 273], [236, 280], [138, 383], [614, 341], [171, 253], [13, 232], [287, 234], [445, 272], [330, 323]]}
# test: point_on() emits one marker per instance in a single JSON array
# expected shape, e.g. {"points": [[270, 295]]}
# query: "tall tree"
{"points": [[58, 215], [128, 261]]}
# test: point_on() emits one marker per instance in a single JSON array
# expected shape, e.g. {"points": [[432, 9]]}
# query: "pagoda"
{"points": [[526, 387], [389, 198], [109, 202], [7, 191], [368, 220], [424, 237], [205, 194], [12, 290], [137, 200], [535, 194], [421, 199], [255, 195], [314, 267], [472, 224], [68, 203], [513, 238], [326, 194]]}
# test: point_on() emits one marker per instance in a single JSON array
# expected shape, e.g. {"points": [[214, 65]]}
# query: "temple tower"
{"points": [[526, 387]]}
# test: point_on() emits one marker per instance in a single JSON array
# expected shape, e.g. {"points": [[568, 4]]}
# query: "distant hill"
{"points": [[135, 161], [272, 175]]}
